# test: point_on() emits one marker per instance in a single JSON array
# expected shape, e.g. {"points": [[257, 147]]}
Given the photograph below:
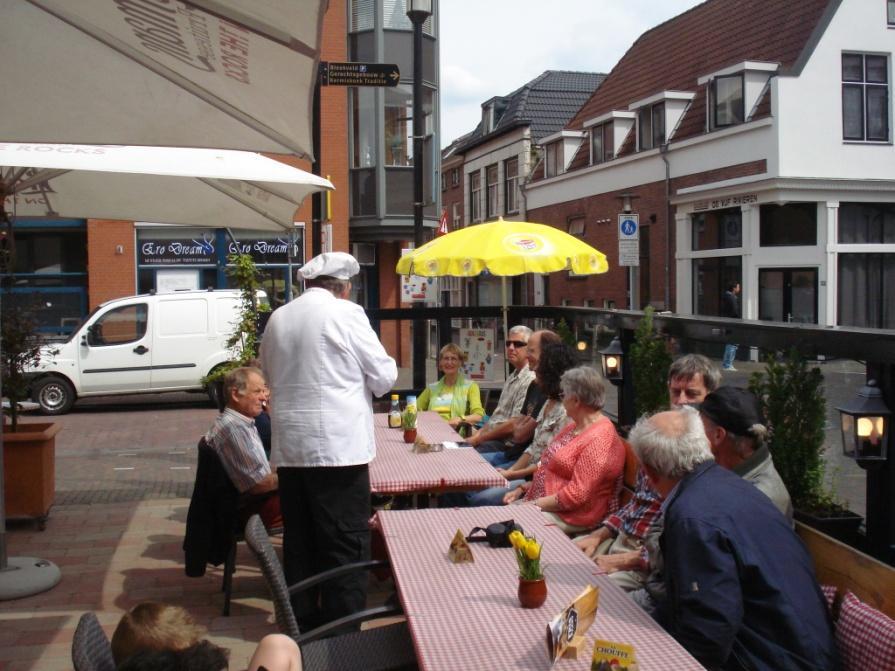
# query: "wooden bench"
{"points": [[835, 563]]}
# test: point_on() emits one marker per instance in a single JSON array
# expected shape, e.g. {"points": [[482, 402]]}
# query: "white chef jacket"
{"points": [[323, 363]]}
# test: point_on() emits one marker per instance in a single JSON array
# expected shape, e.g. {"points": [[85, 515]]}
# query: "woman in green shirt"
{"points": [[455, 398]]}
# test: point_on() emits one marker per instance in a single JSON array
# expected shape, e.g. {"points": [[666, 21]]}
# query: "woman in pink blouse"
{"points": [[578, 477]]}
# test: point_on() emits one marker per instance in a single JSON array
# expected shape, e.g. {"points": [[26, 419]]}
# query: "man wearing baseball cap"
{"points": [[324, 364], [737, 433]]}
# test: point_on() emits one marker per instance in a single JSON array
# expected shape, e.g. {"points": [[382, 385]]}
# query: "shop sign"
{"points": [[167, 252], [266, 251]]}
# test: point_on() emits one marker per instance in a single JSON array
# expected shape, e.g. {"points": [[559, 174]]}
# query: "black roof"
{"points": [[545, 104]]}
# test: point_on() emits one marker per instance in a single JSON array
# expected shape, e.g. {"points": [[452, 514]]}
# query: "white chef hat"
{"points": [[339, 265]]}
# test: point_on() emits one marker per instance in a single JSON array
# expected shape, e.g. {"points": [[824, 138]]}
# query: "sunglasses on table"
{"points": [[518, 344]]}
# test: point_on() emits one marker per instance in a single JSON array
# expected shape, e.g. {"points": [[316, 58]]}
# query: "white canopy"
{"points": [[198, 187], [237, 74]]}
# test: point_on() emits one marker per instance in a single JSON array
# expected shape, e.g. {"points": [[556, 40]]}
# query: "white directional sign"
{"points": [[628, 239]]}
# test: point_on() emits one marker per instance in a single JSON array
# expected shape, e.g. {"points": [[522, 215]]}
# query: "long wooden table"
{"points": [[397, 470], [467, 616]]}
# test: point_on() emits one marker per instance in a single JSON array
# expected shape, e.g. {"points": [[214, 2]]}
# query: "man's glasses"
{"points": [[518, 344]]}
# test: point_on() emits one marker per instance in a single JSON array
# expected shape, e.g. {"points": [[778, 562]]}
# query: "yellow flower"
{"points": [[532, 549], [516, 539]]}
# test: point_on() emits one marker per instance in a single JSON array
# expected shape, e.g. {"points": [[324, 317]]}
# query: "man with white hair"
{"points": [[324, 363], [741, 589]]}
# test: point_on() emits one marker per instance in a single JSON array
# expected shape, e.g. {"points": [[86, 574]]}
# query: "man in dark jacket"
{"points": [[730, 307], [741, 589]]}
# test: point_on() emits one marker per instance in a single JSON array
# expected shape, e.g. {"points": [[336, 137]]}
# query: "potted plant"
{"points": [[408, 423], [650, 361], [246, 337], [29, 449], [532, 591], [792, 398]]}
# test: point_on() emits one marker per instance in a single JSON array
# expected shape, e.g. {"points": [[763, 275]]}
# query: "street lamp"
{"points": [[612, 357], [418, 11], [865, 425]]}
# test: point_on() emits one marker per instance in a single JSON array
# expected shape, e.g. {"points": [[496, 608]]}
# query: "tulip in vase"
{"points": [[532, 590]]}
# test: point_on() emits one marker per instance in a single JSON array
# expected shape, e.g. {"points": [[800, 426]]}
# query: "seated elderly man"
{"points": [[495, 435], [236, 441], [617, 545], [736, 431], [741, 589]]}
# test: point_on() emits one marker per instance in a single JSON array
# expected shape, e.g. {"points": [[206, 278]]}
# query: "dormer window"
{"points": [[602, 143], [651, 126], [726, 99], [487, 119], [553, 163]]}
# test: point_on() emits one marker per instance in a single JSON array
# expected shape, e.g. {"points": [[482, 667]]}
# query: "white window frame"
{"points": [[475, 197], [456, 224], [511, 186], [865, 86], [492, 184], [455, 176]]}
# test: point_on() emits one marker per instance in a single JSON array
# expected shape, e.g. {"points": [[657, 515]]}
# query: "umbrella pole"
{"points": [[503, 295]]}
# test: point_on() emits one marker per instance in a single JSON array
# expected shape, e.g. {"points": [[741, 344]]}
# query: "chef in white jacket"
{"points": [[324, 363]]}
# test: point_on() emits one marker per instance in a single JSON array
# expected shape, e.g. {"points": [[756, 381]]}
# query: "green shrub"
{"points": [[650, 360]]}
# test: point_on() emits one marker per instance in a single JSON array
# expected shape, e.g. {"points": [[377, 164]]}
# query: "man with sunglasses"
{"points": [[494, 435]]}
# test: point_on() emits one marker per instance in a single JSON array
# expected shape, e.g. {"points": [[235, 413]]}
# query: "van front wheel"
{"points": [[55, 395]]}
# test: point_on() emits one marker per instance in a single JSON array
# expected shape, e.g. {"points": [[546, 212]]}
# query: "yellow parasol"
{"points": [[503, 248]]}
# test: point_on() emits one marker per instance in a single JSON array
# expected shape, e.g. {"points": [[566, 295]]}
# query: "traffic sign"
{"points": [[628, 226], [359, 74]]}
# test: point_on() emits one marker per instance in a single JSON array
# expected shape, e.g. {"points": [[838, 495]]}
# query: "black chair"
{"points": [[383, 648], [213, 528], [90, 647]]}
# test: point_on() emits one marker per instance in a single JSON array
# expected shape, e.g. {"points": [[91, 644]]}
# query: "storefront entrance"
{"points": [[788, 295]]}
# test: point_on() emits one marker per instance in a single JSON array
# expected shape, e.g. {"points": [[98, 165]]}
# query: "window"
{"points": [[398, 128], [491, 194], [788, 225], [443, 182], [890, 12], [718, 229], [553, 163], [727, 101], [651, 125], [363, 15], [866, 223], [865, 98], [710, 278], [867, 290], [576, 227], [475, 197], [455, 177], [601, 143], [455, 217], [118, 326], [510, 185], [363, 129]]}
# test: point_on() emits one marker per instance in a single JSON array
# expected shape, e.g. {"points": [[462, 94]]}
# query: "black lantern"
{"points": [[865, 425], [612, 361]]}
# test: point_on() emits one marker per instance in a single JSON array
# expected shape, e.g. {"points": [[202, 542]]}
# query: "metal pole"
{"points": [[317, 198], [419, 129]]}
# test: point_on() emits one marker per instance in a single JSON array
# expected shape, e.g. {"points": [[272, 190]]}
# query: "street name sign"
{"points": [[359, 74]]}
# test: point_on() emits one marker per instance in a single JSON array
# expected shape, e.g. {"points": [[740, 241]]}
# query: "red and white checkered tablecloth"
{"points": [[467, 616], [397, 470]]}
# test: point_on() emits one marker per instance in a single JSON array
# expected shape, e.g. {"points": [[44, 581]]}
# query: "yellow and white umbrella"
{"points": [[503, 248]]}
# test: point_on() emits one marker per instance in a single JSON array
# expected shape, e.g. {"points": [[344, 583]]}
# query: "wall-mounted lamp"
{"points": [[581, 345], [627, 200], [865, 425], [119, 249], [612, 361]]}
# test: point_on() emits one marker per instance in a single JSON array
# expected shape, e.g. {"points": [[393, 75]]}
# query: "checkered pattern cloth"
{"points": [[467, 616], [397, 470]]}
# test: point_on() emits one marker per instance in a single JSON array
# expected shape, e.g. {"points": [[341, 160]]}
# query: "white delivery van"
{"points": [[141, 344]]}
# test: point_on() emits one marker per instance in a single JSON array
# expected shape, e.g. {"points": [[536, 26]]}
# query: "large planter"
{"points": [[29, 470], [840, 524]]}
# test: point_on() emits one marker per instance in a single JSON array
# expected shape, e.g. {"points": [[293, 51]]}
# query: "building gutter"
{"points": [[663, 152]]}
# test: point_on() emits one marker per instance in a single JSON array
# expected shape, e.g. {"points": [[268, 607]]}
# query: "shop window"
{"points": [[866, 223], [717, 229], [710, 278], [363, 130], [867, 290], [788, 225], [865, 98], [726, 96]]}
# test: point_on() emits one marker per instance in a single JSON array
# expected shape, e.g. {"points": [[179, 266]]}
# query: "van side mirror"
{"points": [[90, 338], [84, 340]]}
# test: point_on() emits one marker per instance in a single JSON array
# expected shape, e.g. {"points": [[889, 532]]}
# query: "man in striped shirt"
{"points": [[236, 441]]}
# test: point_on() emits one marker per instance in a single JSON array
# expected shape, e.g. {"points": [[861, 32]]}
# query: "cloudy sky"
{"points": [[492, 47]]}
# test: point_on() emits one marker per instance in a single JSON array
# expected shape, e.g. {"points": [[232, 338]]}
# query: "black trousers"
{"points": [[326, 512]]}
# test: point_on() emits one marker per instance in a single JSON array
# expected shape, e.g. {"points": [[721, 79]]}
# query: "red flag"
{"points": [[443, 224]]}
